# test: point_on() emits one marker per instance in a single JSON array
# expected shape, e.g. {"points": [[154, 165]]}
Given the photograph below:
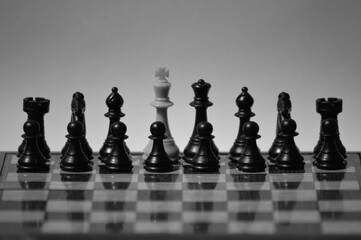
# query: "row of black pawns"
{"points": [[75, 159]]}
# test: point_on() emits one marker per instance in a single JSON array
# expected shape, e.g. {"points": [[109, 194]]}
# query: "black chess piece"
{"points": [[290, 156], [244, 102], [284, 107], [329, 108], [329, 157], [31, 158], [251, 159], [118, 159], [74, 159], [114, 102], [78, 109], [200, 103], [158, 160], [205, 160], [36, 109]]}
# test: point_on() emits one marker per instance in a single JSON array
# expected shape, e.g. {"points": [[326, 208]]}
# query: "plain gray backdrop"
{"points": [[53, 48]]}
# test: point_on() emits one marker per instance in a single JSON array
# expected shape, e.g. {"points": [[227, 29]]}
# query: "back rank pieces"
{"points": [[162, 154]]}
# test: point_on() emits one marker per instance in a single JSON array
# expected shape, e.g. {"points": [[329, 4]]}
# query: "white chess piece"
{"points": [[161, 103]]}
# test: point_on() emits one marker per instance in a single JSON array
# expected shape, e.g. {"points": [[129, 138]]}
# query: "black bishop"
{"points": [[244, 102], [114, 102]]}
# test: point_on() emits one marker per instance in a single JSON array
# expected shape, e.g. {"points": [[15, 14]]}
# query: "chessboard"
{"points": [[310, 203]]}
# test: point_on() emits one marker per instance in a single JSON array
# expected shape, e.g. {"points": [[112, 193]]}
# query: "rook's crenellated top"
{"points": [[37, 104]]}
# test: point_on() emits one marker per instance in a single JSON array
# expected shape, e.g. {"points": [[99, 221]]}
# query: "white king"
{"points": [[161, 103]]}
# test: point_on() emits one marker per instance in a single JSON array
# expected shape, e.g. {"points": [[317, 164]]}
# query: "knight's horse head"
{"points": [[77, 106], [284, 105]]}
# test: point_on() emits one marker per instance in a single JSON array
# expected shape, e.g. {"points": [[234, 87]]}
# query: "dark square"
{"points": [[159, 195], [249, 195], [72, 195]]}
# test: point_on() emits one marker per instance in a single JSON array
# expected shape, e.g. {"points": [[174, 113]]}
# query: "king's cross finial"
{"points": [[162, 73]]}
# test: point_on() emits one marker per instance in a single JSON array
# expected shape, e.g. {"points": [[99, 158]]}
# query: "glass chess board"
{"points": [[228, 204]]}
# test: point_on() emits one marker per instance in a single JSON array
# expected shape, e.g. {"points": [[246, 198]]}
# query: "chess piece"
{"points": [[162, 103], [244, 102], [36, 109], [251, 159], [284, 107], [329, 108], [31, 159], [158, 160], [78, 109], [118, 159], [205, 160], [290, 156], [329, 157], [200, 103], [74, 159], [114, 102]]}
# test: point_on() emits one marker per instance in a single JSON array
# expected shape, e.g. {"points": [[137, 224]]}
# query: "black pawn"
{"points": [[118, 159], [205, 160], [284, 107], [244, 102], [251, 159], [31, 159], [158, 160], [74, 159], [290, 157], [329, 157]]}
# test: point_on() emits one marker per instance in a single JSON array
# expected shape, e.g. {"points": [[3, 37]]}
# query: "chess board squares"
{"points": [[336, 181], [205, 195], [159, 195], [251, 227], [158, 227], [160, 182], [112, 226], [16, 216], [29, 181], [342, 195], [121, 196], [340, 206], [70, 195], [22, 205], [341, 227], [24, 195], [298, 228], [65, 226], [65, 181]]}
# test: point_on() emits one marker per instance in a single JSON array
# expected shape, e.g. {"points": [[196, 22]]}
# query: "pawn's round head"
{"points": [[329, 126], [204, 129], [157, 129], [250, 129], [31, 128], [118, 129], [288, 126], [75, 128]]}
